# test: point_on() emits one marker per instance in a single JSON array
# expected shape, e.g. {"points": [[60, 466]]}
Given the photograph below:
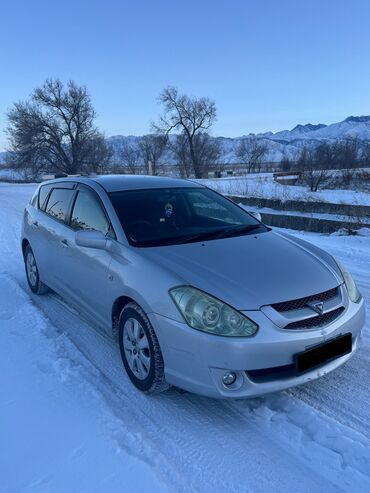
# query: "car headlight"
{"points": [[353, 292], [203, 312]]}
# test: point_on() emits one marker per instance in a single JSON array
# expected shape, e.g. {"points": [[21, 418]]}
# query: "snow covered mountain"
{"points": [[353, 126], [286, 142], [289, 142], [283, 143]]}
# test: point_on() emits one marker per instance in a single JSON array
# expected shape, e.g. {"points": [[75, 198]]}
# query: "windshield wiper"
{"points": [[227, 233], [202, 236], [216, 234]]}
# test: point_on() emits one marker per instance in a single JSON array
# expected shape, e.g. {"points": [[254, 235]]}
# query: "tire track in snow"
{"points": [[231, 425], [70, 366]]}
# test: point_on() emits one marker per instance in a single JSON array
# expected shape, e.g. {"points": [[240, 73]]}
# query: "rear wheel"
{"points": [[140, 350], [32, 273]]}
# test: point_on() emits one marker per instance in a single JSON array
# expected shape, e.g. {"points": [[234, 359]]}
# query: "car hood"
{"points": [[249, 271]]}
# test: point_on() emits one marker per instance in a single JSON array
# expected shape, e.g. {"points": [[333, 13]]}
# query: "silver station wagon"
{"points": [[197, 292]]}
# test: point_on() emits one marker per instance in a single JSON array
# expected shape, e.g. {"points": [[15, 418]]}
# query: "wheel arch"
{"points": [[25, 243], [117, 307]]}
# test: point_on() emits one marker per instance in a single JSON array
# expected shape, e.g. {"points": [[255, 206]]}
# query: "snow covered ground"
{"points": [[70, 421], [263, 185], [314, 215]]}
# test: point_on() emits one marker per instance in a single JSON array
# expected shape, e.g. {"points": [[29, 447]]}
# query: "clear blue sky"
{"points": [[268, 64]]}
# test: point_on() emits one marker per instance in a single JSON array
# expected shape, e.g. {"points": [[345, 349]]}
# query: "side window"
{"points": [[205, 207], [58, 203], [88, 214], [43, 193]]}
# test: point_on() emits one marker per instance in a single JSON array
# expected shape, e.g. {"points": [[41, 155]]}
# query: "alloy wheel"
{"points": [[136, 347], [31, 269]]}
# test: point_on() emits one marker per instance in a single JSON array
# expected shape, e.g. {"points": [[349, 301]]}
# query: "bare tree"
{"points": [[100, 155], [191, 116], [365, 155], [325, 156], [208, 151], [285, 163], [55, 131], [180, 150], [341, 154], [129, 157], [152, 148], [313, 173], [251, 152], [347, 152]]}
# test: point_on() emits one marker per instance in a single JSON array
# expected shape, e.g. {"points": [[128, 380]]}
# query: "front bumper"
{"points": [[195, 361]]}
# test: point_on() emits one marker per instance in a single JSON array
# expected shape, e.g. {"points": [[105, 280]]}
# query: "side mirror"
{"points": [[91, 239], [257, 215]]}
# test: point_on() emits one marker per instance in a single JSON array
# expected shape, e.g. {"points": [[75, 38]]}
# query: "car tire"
{"points": [[140, 350], [32, 273]]}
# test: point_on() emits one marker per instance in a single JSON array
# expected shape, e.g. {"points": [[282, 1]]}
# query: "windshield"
{"points": [[167, 216]]}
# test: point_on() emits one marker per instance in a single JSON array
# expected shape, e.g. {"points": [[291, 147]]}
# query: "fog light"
{"points": [[229, 378]]}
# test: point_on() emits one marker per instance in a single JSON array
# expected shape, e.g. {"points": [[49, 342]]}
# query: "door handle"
{"points": [[64, 243], [35, 224]]}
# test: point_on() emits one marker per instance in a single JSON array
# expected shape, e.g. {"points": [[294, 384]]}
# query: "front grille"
{"points": [[319, 321], [285, 306]]}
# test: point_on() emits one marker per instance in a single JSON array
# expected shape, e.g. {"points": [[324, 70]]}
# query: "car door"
{"points": [[84, 273], [54, 203]]}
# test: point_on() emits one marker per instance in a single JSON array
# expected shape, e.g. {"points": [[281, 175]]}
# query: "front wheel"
{"points": [[32, 273], [140, 350]]}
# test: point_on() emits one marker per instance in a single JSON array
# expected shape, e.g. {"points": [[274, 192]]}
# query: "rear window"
{"points": [[58, 203]]}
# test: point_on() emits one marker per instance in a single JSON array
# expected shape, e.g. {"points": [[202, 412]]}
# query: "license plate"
{"points": [[317, 356]]}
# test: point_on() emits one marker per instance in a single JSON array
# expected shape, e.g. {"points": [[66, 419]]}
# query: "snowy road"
{"points": [[70, 421]]}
